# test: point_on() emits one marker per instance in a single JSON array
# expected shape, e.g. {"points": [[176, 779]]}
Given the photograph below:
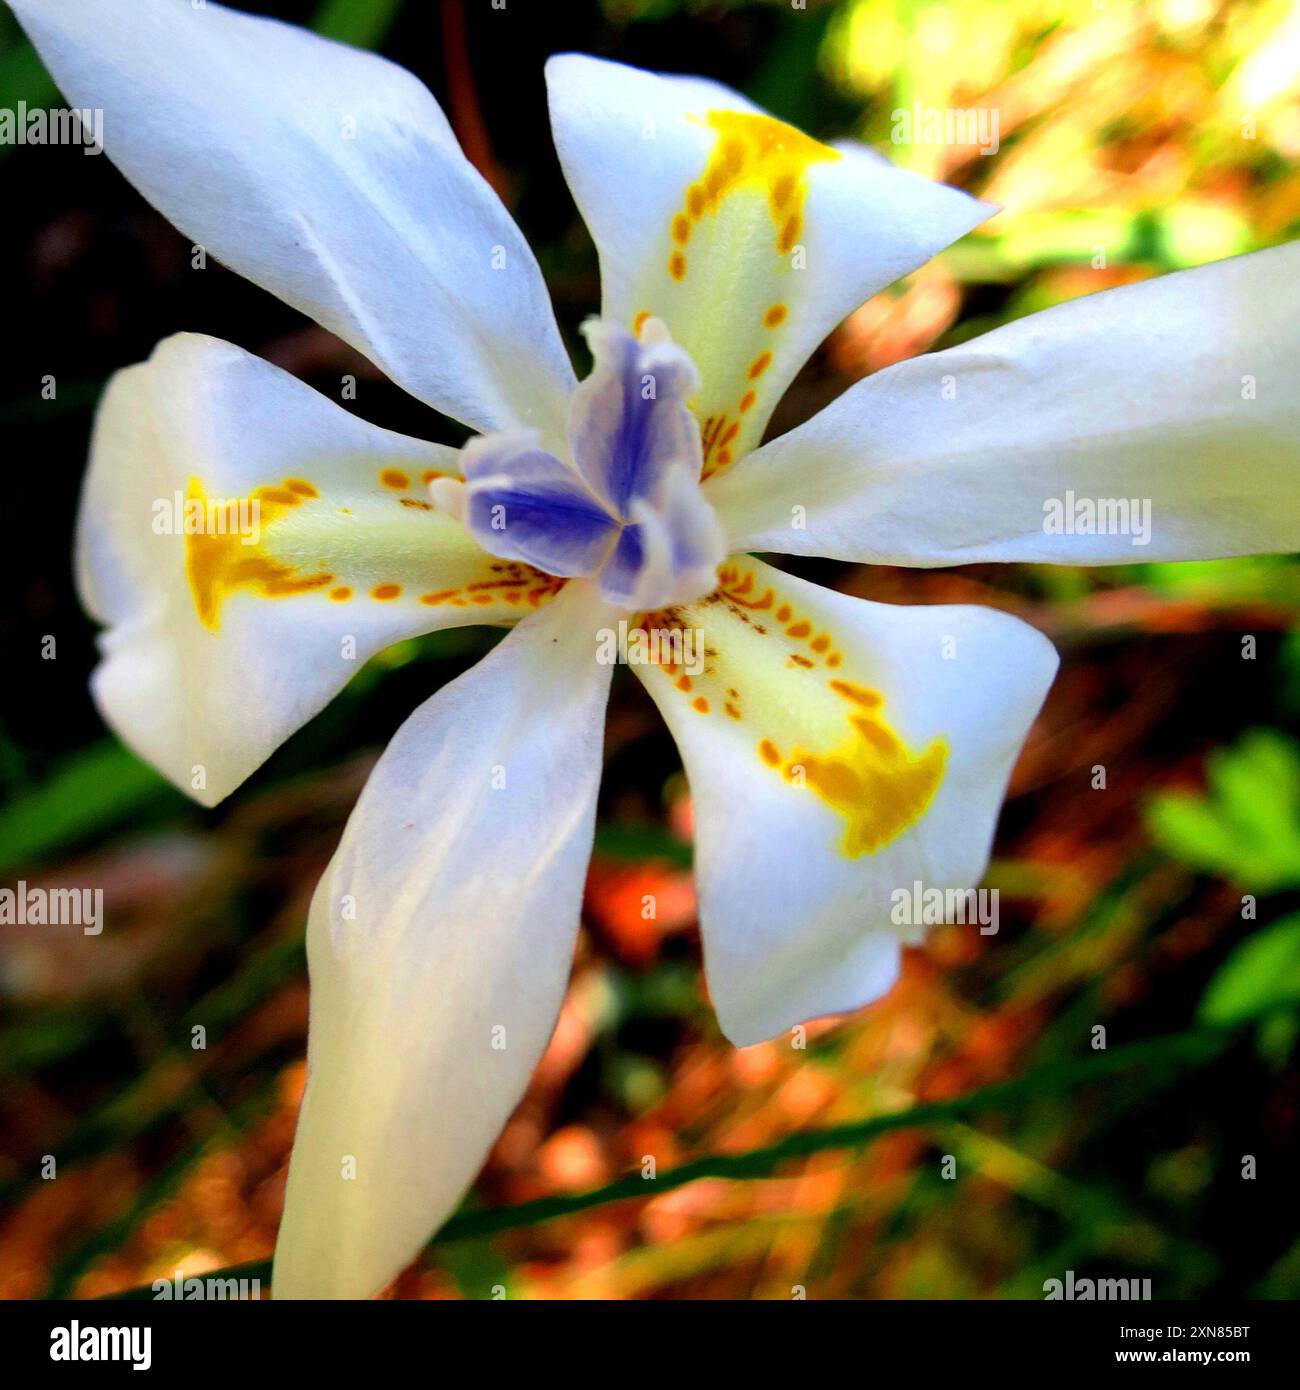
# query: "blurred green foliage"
{"points": [[94, 792], [1260, 976], [1247, 828]]}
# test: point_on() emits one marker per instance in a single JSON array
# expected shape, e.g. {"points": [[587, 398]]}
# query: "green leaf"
{"points": [[1247, 828], [362, 23], [22, 75], [95, 790], [1191, 830], [1260, 976]]}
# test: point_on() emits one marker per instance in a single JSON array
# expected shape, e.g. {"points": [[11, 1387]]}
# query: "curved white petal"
{"points": [[838, 752], [439, 944], [750, 240], [249, 545], [329, 177], [1159, 421]]}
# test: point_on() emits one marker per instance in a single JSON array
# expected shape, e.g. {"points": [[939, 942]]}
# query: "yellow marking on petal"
{"points": [[396, 479], [754, 152], [872, 780], [731, 276], [385, 592], [823, 732], [859, 694], [341, 594], [638, 323], [218, 561], [790, 230]]}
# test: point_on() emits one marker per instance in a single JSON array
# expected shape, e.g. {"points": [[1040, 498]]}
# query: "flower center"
{"points": [[625, 507]]}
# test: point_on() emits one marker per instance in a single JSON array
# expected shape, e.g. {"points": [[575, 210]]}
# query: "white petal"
{"points": [[219, 646], [791, 229], [439, 943], [329, 177], [1177, 394], [838, 751]]}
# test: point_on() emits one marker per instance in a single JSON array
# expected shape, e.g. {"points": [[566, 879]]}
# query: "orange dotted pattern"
{"points": [[871, 779], [718, 432], [220, 563], [755, 152], [751, 150], [519, 585]]}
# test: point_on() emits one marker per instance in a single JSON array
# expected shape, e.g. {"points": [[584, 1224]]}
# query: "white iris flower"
{"points": [[837, 750]]}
